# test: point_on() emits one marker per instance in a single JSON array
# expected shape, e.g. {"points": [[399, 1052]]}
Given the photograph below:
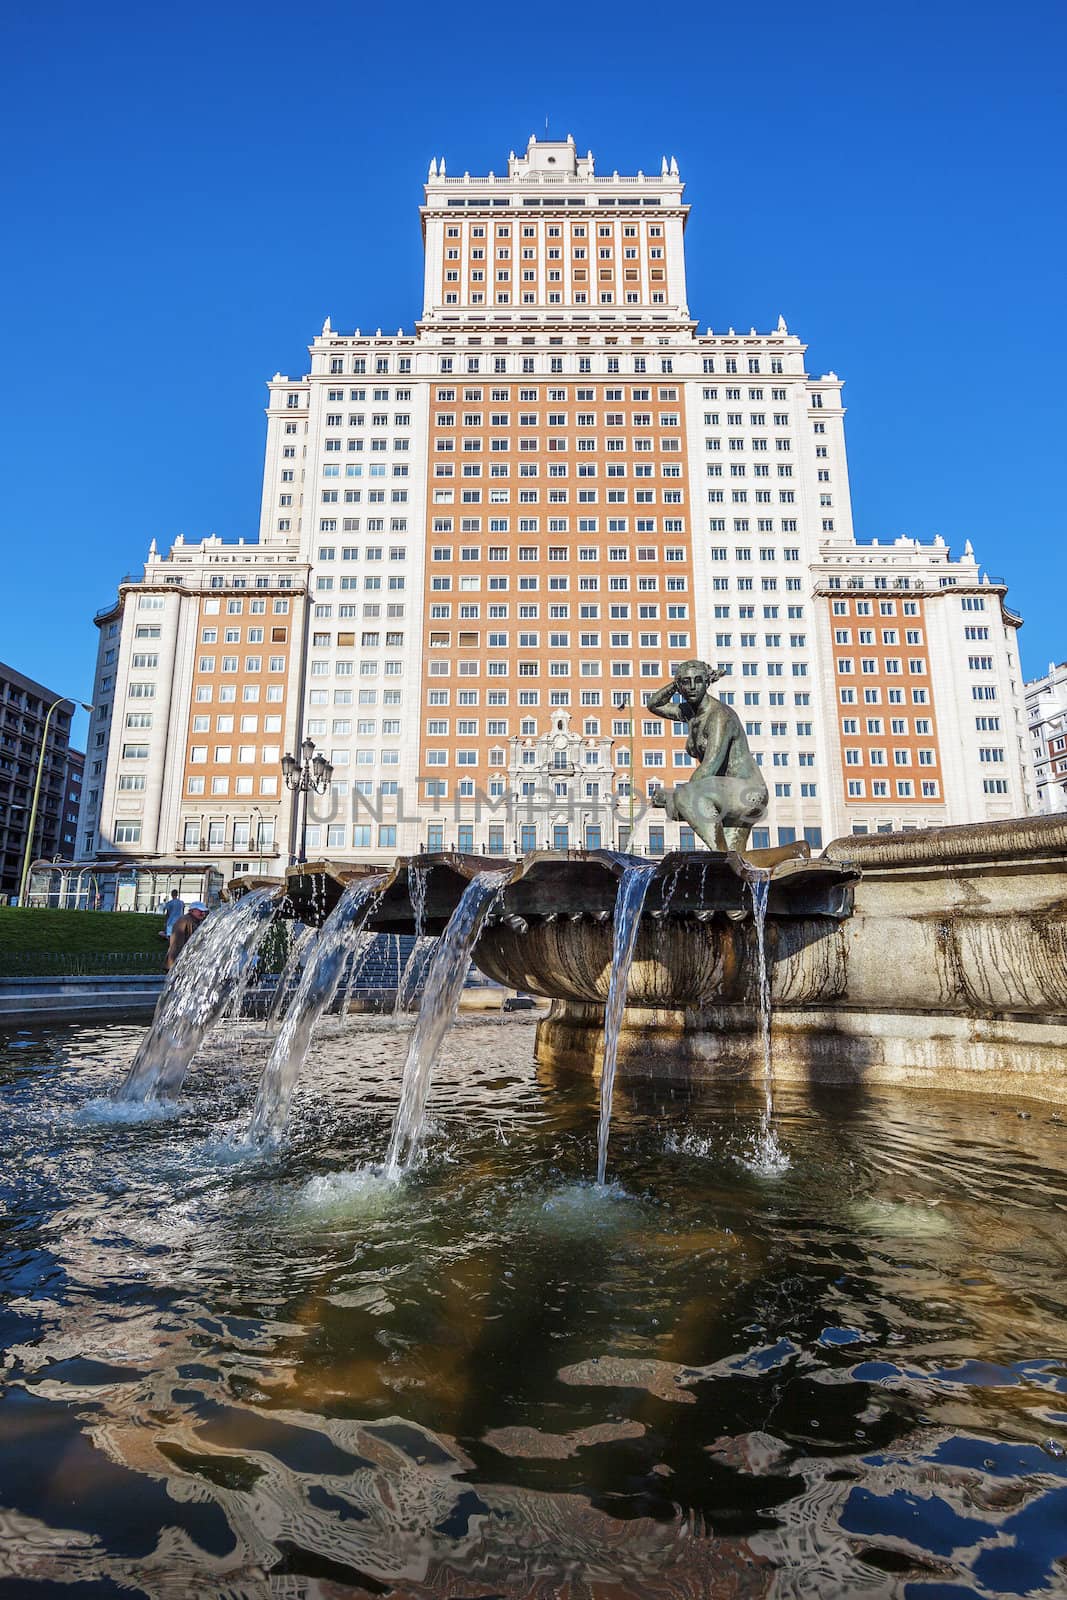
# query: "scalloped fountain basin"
{"points": [[935, 957]]}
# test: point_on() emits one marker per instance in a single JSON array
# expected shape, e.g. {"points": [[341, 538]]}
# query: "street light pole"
{"points": [[32, 828], [259, 839], [310, 770]]}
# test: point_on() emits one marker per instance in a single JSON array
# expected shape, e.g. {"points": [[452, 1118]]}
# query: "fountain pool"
{"points": [[272, 1373]]}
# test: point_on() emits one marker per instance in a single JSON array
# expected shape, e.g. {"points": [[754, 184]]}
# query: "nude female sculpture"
{"points": [[726, 794]]}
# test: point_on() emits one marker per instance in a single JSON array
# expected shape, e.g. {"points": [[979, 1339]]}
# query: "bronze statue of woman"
{"points": [[726, 794]]}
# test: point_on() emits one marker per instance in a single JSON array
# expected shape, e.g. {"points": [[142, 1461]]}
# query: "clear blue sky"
{"points": [[183, 195]]}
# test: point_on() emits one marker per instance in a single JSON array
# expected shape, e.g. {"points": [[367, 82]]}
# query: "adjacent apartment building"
{"points": [[497, 533], [24, 707], [1046, 715]]}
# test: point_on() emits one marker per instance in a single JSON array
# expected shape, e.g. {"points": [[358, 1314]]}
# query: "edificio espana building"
{"points": [[483, 543]]}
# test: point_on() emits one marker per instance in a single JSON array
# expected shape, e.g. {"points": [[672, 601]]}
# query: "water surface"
{"points": [[277, 1374]]}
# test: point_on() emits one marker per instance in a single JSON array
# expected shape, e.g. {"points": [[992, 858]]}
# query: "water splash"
{"points": [[418, 879], [440, 1001], [198, 990], [315, 992], [767, 1155], [629, 902]]}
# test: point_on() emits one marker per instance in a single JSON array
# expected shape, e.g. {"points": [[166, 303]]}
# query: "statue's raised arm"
{"points": [[661, 701], [726, 794]]}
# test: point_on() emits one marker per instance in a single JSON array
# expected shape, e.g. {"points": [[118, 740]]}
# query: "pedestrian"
{"points": [[183, 931], [172, 910]]}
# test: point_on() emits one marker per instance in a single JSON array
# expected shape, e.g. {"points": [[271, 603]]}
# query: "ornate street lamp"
{"points": [[310, 770]]}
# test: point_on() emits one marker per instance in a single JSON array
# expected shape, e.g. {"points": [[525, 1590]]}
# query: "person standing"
{"points": [[172, 910]]}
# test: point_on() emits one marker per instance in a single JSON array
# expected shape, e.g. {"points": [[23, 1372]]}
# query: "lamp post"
{"points": [[31, 830], [310, 770], [259, 838], [626, 703]]}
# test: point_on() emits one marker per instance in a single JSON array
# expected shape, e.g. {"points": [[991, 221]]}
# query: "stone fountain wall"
{"points": [[951, 973]]}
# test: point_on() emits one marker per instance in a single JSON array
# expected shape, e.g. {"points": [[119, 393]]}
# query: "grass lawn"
{"points": [[41, 943]]}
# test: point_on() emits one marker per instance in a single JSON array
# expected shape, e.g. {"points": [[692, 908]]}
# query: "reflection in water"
{"points": [[276, 1374]]}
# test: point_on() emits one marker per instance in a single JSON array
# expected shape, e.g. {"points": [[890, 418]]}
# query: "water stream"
{"points": [[316, 990], [300, 948], [769, 1155], [199, 988], [440, 1001], [629, 903], [408, 982]]}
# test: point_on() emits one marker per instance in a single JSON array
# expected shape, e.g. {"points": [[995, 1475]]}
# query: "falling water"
{"points": [[440, 1001], [669, 888], [300, 949], [317, 988], [629, 902], [198, 989], [769, 1154], [418, 878]]}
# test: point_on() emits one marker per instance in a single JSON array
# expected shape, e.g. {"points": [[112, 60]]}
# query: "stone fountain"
{"points": [[935, 957]]}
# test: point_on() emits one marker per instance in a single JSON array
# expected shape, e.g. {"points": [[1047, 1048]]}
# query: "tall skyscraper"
{"points": [[519, 519]]}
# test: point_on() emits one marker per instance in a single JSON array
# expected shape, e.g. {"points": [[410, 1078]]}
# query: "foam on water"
{"points": [[105, 1110], [363, 1191]]}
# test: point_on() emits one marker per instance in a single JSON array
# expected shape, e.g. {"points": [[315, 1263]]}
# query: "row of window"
{"points": [[893, 697], [223, 755], [233, 664], [265, 785], [560, 497], [442, 640], [371, 583], [380, 365], [620, 698], [929, 789], [562, 669], [887, 665], [865, 608], [560, 611], [554, 297], [876, 757], [240, 835], [617, 584], [553, 469], [557, 553], [890, 636], [233, 636], [343, 697], [897, 726], [554, 396], [554, 230]]}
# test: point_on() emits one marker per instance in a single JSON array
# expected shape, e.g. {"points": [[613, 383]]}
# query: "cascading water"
{"points": [[629, 903], [198, 990], [316, 990], [440, 1001], [418, 877], [299, 950], [769, 1154]]}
